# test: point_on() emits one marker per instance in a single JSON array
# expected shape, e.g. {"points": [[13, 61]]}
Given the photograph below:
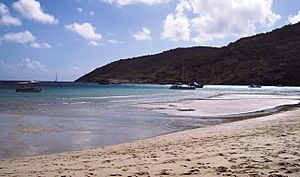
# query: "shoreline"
{"points": [[224, 106], [210, 151], [230, 118], [36, 130]]}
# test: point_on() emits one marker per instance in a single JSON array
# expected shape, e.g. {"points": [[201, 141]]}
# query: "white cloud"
{"points": [[27, 63], [32, 10], [6, 18], [31, 69], [114, 41], [79, 9], [177, 26], [94, 43], [293, 19], [3, 9], [92, 13], [20, 37], [205, 20], [129, 2], [41, 45], [24, 38], [26, 69], [143, 35], [85, 30]]}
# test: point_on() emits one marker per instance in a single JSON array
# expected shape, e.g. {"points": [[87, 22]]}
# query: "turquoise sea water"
{"points": [[71, 116]]}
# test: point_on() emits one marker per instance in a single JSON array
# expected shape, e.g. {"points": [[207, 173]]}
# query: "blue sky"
{"points": [[73, 37]]}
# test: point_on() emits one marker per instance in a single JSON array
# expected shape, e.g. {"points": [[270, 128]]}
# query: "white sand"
{"points": [[221, 106]]}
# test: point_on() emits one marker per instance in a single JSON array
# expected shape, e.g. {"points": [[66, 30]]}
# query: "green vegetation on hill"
{"points": [[271, 58]]}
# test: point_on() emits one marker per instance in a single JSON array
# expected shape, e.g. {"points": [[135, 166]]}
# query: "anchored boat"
{"points": [[31, 86], [180, 86]]}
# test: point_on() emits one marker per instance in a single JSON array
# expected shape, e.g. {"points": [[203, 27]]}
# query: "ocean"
{"points": [[74, 116]]}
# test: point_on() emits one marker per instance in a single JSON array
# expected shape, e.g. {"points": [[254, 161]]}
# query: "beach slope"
{"points": [[265, 146]]}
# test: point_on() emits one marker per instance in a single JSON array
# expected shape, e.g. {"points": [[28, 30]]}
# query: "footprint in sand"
{"points": [[165, 172]]}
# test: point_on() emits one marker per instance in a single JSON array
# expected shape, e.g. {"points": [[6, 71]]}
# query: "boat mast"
{"points": [[56, 77], [183, 72]]}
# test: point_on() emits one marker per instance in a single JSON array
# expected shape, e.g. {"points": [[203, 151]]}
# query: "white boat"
{"points": [[31, 86], [197, 85], [180, 86]]}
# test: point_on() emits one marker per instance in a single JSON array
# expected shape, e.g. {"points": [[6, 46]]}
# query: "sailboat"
{"points": [[55, 77]]}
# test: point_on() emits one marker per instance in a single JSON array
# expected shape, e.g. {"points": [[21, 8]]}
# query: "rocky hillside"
{"points": [[271, 58]]}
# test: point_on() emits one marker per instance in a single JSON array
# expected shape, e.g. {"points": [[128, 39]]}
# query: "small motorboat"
{"points": [[195, 84], [254, 86], [180, 86], [31, 86]]}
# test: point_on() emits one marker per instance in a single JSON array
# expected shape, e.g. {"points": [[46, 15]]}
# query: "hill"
{"points": [[271, 58]]}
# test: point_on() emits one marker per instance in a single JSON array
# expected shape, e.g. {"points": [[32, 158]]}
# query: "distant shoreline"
{"points": [[130, 83], [16, 81]]}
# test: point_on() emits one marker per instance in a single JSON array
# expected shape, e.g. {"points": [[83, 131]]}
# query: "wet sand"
{"points": [[224, 105], [264, 146]]}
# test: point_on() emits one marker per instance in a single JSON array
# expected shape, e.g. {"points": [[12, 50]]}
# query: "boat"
{"points": [[254, 86], [180, 86], [31, 86], [197, 85], [55, 77]]}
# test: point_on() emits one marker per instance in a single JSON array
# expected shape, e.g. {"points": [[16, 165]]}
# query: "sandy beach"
{"points": [[262, 146], [223, 105]]}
